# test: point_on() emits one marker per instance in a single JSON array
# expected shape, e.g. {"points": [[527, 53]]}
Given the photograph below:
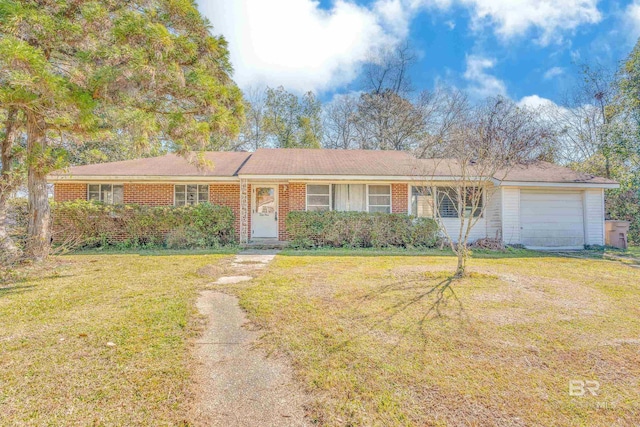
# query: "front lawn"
{"points": [[383, 340], [100, 340]]}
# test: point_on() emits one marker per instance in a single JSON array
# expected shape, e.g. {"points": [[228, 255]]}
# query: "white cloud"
{"points": [[535, 101], [553, 72], [297, 44], [481, 83], [511, 18], [516, 18], [632, 20]]}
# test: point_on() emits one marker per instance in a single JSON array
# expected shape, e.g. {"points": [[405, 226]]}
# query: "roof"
{"points": [[223, 164], [306, 162], [552, 173], [315, 164]]}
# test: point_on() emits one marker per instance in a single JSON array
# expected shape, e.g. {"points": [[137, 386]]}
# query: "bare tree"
{"points": [[586, 120], [497, 137], [253, 134], [444, 110], [387, 121], [339, 122], [387, 71]]}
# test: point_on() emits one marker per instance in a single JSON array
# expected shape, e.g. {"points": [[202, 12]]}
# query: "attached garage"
{"points": [[552, 219]]}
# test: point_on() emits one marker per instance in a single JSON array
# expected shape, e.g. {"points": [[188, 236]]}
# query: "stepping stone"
{"points": [[230, 280]]}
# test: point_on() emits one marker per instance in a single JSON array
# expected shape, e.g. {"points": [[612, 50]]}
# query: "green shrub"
{"points": [[90, 224], [359, 230]]}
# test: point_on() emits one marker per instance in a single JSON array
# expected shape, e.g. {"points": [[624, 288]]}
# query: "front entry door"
{"points": [[264, 220]]}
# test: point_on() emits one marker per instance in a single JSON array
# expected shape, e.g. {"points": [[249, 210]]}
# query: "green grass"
{"points": [[391, 341], [56, 367]]}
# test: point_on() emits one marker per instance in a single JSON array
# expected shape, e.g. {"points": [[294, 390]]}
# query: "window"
{"points": [[421, 202], [350, 197], [190, 194], [380, 198], [319, 197], [448, 202], [112, 194]]}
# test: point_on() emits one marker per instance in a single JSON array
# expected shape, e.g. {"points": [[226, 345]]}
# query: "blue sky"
{"points": [[523, 49]]}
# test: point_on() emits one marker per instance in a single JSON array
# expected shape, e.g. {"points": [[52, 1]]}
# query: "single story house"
{"points": [[539, 205]]}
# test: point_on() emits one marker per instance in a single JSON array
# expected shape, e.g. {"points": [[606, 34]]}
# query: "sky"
{"points": [[526, 50]]}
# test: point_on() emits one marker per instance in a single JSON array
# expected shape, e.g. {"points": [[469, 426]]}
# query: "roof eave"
{"points": [[137, 178], [572, 184]]}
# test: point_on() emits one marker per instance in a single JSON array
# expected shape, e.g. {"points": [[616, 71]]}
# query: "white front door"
{"points": [[264, 218]]}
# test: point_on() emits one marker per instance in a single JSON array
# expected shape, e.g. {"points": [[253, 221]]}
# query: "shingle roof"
{"points": [[549, 172], [316, 162], [299, 161], [225, 164]]}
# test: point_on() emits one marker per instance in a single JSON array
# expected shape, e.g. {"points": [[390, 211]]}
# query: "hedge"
{"points": [[90, 224], [83, 224], [359, 230]]}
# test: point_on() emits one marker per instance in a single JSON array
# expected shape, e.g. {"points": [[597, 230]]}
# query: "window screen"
{"points": [[190, 194], [380, 198], [112, 194], [318, 197]]}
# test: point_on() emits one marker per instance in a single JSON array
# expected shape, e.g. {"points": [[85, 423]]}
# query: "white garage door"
{"points": [[552, 219]]}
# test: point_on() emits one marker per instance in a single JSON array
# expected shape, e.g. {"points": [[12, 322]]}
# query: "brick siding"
{"points": [[148, 194], [400, 198], [291, 197], [69, 191]]}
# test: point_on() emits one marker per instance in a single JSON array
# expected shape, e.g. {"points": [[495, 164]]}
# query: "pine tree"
{"points": [[148, 72]]}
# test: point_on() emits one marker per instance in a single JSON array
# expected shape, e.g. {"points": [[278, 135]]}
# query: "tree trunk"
{"points": [[39, 240], [463, 254], [9, 252]]}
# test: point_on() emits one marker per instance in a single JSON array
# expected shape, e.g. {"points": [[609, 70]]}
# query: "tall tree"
{"points": [[387, 121], [147, 71], [253, 134], [10, 176], [292, 122], [387, 70], [339, 123]]}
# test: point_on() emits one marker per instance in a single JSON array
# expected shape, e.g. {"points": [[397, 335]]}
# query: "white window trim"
{"points": [[197, 193], [100, 191], [411, 187], [330, 184], [436, 204], [390, 205], [306, 195]]}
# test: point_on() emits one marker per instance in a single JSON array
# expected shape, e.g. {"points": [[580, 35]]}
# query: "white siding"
{"points": [[452, 225], [552, 218], [493, 211], [511, 215], [594, 216]]}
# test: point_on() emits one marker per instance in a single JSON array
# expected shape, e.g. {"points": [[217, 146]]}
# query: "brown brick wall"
{"points": [[283, 210], [148, 194], [69, 191], [400, 198], [227, 195], [297, 197]]}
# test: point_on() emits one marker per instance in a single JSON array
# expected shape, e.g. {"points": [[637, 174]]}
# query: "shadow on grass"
{"points": [[154, 251], [439, 295], [376, 252], [12, 290]]}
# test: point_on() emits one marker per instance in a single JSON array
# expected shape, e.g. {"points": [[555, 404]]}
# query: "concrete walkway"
{"points": [[239, 385]]}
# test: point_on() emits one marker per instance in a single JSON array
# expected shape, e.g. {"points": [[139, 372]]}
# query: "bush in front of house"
{"points": [[83, 224], [359, 230]]}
